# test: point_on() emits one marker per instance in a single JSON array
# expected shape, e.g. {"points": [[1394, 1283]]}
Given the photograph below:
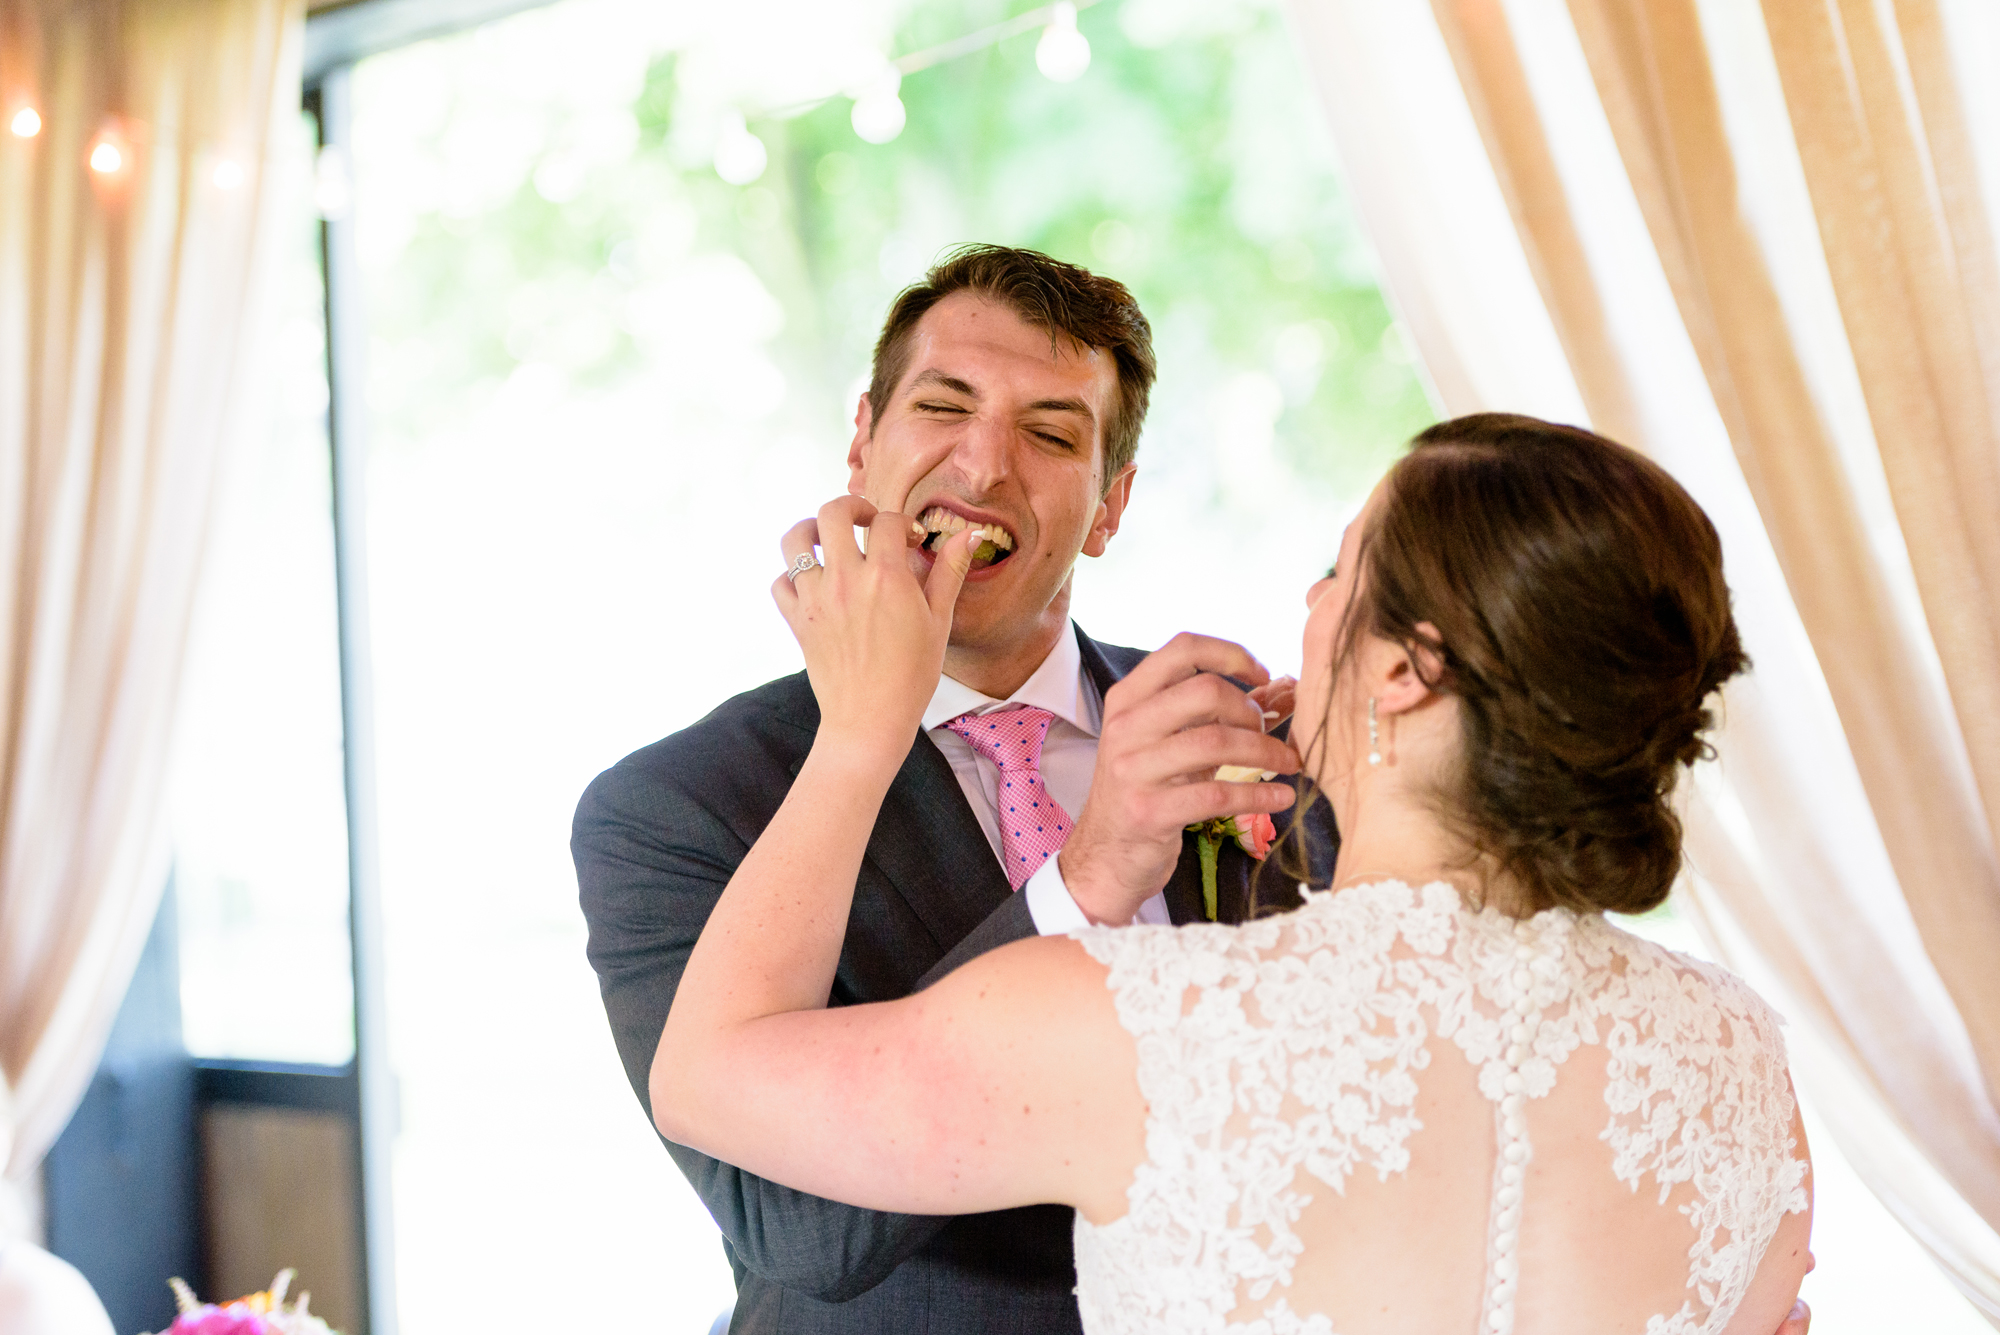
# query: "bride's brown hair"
{"points": [[1582, 625]]}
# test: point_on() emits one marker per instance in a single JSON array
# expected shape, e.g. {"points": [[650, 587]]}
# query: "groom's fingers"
{"points": [[1277, 698], [1195, 754], [1189, 703], [1180, 658], [1178, 808]]}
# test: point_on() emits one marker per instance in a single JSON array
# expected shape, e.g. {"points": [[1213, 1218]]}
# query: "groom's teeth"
{"points": [[943, 523]]}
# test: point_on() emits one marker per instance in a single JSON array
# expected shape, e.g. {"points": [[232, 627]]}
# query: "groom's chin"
{"points": [[979, 615]]}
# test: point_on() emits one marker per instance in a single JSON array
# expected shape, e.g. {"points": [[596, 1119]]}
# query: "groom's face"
{"points": [[994, 423]]}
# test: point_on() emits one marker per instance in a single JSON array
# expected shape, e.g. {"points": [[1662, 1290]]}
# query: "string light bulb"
{"points": [[1063, 54], [879, 114], [228, 174], [27, 123], [105, 159], [740, 156]]}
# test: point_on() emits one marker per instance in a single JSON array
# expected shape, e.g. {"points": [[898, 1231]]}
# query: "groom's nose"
{"points": [[984, 453]]}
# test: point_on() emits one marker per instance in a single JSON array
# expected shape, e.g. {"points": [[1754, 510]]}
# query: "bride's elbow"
{"points": [[674, 1112], [670, 1087]]}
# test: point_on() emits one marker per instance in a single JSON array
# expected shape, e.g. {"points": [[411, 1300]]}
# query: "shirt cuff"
{"points": [[1050, 904]]}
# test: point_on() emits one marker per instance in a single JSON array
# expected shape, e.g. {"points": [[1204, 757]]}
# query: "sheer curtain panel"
{"points": [[133, 194], [1756, 243]]}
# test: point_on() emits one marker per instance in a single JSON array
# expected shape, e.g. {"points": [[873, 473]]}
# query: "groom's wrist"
{"points": [[1050, 905], [1100, 904]]}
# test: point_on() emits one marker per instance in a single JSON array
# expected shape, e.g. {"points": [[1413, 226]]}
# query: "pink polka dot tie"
{"points": [[1032, 824]]}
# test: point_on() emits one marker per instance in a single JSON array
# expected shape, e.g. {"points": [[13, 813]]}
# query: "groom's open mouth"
{"points": [[992, 545]]}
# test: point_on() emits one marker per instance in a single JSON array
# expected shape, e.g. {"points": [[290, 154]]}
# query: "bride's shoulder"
{"points": [[1643, 969]]}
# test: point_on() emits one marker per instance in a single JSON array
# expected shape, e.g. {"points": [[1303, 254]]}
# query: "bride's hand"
{"points": [[873, 634]]}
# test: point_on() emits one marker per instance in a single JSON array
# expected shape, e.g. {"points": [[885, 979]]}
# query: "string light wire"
{"points": [[957, 48]]}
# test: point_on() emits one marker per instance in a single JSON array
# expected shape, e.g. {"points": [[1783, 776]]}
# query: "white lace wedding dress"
{"points": [[1386, 1112]]}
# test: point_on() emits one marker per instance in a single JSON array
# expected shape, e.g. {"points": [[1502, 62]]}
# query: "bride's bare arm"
{"points": [[932, 1104], [1008, 1083]]}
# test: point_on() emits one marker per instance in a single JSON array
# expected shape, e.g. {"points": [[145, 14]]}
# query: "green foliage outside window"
{"points": [[1190, 161]]}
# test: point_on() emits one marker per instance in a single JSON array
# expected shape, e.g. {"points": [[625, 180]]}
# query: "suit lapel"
{"points": [[928, 846], [1107, 664]]}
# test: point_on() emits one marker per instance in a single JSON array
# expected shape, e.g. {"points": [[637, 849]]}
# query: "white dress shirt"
{"points": [[1069, 757]]}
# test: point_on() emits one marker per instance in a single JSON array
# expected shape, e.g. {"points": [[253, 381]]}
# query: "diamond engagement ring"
{"points": [[800, 566]]}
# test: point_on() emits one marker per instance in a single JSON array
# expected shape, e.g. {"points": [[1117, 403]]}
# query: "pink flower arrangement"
{"points": [[263, 1313], [235, 1319]]}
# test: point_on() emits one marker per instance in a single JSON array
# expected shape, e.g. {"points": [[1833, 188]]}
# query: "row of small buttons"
{"points": [[1514, 1148]]}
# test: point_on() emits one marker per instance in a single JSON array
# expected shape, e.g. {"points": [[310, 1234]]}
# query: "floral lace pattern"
{"points": [[1286, 1053]]}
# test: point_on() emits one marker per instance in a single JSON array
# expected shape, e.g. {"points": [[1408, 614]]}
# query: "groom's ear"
{"points": [[1110, 511], [857, 450]]}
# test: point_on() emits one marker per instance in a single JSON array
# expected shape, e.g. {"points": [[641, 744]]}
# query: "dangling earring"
{"points": [[1374, 735]]}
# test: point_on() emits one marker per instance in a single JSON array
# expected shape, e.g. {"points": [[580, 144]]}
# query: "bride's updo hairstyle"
{"points": [[1583, 626]]}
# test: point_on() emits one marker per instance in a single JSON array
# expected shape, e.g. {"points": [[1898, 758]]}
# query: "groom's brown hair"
{"points": [[1067, 300]]}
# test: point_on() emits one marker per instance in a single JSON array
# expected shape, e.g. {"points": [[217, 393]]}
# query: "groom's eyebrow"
{"points": [[943, 381], [1077, 406]]}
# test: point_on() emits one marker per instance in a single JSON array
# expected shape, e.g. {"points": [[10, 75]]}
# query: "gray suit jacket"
{"points": [[656, 838]]}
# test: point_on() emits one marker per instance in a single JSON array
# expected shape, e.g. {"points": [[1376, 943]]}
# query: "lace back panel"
{"points": [[1281, 1058]]}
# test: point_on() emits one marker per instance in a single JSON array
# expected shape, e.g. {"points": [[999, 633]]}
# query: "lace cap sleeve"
{"points": [[1151, 969]]}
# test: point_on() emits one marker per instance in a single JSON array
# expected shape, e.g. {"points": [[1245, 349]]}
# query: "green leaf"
{"points": [[1209, 847]]}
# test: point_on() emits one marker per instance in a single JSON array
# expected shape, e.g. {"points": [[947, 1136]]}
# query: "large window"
{"points": [[603, 379]]}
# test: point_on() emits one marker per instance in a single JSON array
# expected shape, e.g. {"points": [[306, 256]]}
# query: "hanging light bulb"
{"points": [[105, 158], [27, 123], [740, 157], [879, 114], [1063, 54]]}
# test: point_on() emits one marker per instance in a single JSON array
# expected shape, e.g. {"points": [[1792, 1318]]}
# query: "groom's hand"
{"points": [[1276, 697], [1167, 726]]}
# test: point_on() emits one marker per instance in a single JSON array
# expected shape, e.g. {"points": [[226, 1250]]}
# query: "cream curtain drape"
{"points": [[1756, 242], [125, 292]]}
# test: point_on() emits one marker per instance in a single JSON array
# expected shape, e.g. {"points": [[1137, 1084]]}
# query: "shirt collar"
{"points": [[1058, 686]]}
